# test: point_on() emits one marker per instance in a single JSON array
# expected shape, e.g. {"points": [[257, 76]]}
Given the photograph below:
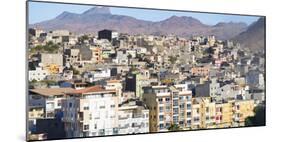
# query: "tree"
{"points": [[174, 127], [50, 47], [258, 119]]}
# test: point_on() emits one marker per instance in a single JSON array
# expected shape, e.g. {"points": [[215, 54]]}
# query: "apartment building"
{"points": [[208, 113], [232, 113], [96, 55], [168, 105], [242, 109], [203, 113], [224, 114], [200, 71], [38, 74], [133, 117], [91, 111], [46, 102]]}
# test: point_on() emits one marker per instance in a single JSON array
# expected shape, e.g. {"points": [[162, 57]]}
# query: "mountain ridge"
{"points": [[253, 38], [98, 18]]}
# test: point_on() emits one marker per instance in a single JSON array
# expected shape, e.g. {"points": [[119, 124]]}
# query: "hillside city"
{"points": [[113, 83]]}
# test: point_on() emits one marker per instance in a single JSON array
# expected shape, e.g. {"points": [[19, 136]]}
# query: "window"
{"points": [[181, 97], [102, 107], [196, 119], [188, 98], [168, 108], [238, 107], [181, 122], [112, 106], [160, 100], [161, 117], [167, 100], [115, 131], [70, 105], [175, 119], [175, 110], [86, 127], [188, 106], [160, 109], [175, 103], [188, 114], [168, 125], [161, 126], [182, 106], [90, 116], [86, 108], [176, 95]]}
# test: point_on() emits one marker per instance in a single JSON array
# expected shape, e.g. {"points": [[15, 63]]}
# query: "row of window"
{"points": [[100, 107]]}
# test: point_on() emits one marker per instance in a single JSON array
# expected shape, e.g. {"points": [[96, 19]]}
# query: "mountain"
{"points": [[99, 18], [253, 38]]}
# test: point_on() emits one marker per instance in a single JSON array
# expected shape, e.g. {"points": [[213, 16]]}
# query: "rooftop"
{"points": [[92, 89], [51, 91]]}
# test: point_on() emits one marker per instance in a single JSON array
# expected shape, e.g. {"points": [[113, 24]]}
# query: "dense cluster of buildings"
{"points": [[113, 83]]}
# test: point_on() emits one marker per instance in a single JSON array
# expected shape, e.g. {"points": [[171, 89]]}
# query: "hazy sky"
{"points": [[39, 11]]}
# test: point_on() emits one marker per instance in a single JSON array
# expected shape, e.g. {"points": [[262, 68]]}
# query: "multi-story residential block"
{"points": [[207, 89], [91, 111], [115, 85], [196, 113], [242, 109], [46, 101], [38, 74], [133, 117], [200, 71], [168, 105], [72, 55], [208, 113], [224, 113], [232, 113], [96, 55], [132, 83], [97, 74]]}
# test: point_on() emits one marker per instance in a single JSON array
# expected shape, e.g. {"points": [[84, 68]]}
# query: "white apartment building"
{"points": [[133, 117], [97, 74], [48, 98], [38, 74], [91, 112]]}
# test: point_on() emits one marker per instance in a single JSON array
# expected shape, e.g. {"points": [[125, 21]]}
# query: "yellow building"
{"points": [[233, 113], [203, 113], [168, 105], [196, 113], [208, 113], [242, 109], [224, 114]]}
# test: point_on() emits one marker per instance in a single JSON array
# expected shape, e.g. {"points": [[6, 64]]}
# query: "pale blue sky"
{"points": [[39, 11]]}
